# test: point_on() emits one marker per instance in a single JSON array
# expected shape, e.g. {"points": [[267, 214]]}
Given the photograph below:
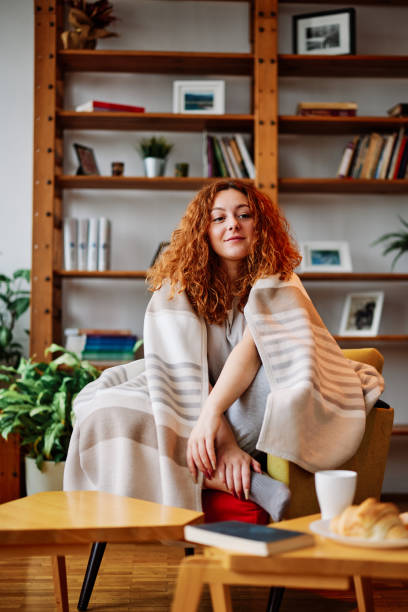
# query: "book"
{"points": [[395, 153], [93, 245], [402, 159], [70, 228], [104, 244], [227, 159], [249, 164], [83, 229], [327, 109], [238, 158], [247, 538], [371, 157], [223, 172], [361, 155], [398, 110], [347, 157], [99, 105]]}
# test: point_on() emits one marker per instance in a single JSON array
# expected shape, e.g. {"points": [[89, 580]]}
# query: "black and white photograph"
{"points": [[325, 33], [361, 314], [325, 256]]}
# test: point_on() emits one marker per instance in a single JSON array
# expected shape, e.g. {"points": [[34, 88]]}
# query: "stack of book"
{"points": [[327, 109], [99, 105], [102, 346], [375, 156], [87, 244], [227, 156]]}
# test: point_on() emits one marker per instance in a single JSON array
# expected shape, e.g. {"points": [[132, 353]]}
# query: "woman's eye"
{"points": [[245, 216], [217, 219]]}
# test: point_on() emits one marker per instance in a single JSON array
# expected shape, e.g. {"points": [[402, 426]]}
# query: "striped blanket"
{"points": [[132, 424]]}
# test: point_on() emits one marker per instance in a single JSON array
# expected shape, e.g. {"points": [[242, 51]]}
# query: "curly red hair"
{"points": [[189, 264]]}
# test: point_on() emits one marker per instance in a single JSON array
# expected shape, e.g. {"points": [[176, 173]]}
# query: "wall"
{"points": [[205, 26]]}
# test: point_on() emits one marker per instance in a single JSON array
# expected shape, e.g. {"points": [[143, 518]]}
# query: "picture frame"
{"points": [[199, 97], [87, 160], [325, 33], [158, 251], [362, 313], [325, 256]]}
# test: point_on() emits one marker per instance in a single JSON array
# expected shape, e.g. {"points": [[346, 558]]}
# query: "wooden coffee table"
{"points": [[58, 523], [327, 565]]}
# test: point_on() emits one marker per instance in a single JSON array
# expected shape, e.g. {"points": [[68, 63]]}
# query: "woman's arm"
{"points": [[237, 374]]}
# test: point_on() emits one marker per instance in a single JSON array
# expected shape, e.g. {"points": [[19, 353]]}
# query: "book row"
{"points": [[87, 244], [375, 156], [226, 156], [102, 346]]}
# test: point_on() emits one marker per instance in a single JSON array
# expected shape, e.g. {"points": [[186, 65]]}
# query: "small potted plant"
{"points": [[398, 241], [37, 405], [154, 152], [14, 301]]}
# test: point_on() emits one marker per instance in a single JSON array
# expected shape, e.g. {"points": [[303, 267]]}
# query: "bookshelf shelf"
{"points": [[383, 66], [386, 338], [293, 124], [157, 62], [133, 182], [154, 121], [335, 185], [305, 276]]}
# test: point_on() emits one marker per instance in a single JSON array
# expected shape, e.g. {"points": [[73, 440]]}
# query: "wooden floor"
{"points": [[143, 579]]}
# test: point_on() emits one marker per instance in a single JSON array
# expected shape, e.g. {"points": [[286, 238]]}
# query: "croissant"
{"points": [[371, 520], [404, 518]]}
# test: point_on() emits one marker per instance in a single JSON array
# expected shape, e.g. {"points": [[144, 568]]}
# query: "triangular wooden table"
{"points": [[59, 523]]}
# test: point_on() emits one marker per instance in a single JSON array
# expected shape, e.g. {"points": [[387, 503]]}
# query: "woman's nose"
{"points": [[233, 222]]}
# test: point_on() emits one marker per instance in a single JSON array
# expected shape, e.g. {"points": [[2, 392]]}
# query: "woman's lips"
{"points": [[234, 238]]}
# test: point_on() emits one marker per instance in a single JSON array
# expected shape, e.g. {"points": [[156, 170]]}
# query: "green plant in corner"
{"points": [[154, 147], [398, 241], [14, 301], [37, 403]]}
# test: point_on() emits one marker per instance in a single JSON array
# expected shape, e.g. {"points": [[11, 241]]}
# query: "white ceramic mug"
{"points": [[335, 491]]}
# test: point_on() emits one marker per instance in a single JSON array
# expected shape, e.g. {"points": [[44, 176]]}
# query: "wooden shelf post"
{"points": [[44, 310], [266, 96]]}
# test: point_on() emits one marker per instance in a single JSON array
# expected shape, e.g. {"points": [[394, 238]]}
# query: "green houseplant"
{"points": [[154, 152], [14, 301], [397, 241], [37, 403]]}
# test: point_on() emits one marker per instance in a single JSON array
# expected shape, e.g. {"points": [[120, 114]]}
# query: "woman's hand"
{"points": [[201, 444], [234, 469]]}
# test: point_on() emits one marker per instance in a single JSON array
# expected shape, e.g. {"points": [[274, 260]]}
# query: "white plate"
{"points": [[322, 528]]}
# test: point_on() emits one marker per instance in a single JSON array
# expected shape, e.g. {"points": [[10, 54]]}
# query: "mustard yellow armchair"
{"points": [[369, 461]]}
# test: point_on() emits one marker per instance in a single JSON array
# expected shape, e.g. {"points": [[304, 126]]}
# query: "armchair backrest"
{"points": [[369, 461]]}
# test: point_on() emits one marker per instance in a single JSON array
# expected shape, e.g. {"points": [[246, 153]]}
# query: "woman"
{"points": [[227, 315]]}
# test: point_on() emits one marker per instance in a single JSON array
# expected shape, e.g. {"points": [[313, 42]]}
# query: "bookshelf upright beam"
{"points": [[43, 306], [266, 96]]}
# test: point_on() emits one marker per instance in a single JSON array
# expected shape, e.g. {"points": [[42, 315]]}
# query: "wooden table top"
{"points": [[325, 558], [78, 517]]}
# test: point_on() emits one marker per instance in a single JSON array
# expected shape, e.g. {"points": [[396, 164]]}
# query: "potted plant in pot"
{"points": [[14, 301], [37, 405], [398, 241], [154, 152]]}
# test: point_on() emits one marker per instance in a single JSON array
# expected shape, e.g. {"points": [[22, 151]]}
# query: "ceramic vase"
{"points": [[154, 166], [49, 478]]}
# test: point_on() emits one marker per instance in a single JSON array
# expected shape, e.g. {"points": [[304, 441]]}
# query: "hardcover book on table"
{"points": [[248, 538]]}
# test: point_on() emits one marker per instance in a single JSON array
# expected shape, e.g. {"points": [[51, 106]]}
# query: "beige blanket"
{"points": [[132, 424]]}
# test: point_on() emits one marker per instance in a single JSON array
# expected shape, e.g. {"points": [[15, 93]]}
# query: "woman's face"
{"points": [[231, 230]]}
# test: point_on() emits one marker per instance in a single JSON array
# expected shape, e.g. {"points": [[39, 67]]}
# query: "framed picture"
{"points": [[325, 33], [325, 256], [86, 158], [361, 314], [158, 252], [205, 97]]}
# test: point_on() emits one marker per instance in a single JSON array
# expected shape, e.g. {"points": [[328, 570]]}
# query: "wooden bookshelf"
{"points": [[297, 124], [358, 66], [347, 185], [170, 122], [168, 183], [156, 62]]}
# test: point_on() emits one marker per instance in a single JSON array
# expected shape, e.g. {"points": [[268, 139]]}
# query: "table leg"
{"points": [[220, 597], [364, 594], [60, 583], [189, 585]]}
